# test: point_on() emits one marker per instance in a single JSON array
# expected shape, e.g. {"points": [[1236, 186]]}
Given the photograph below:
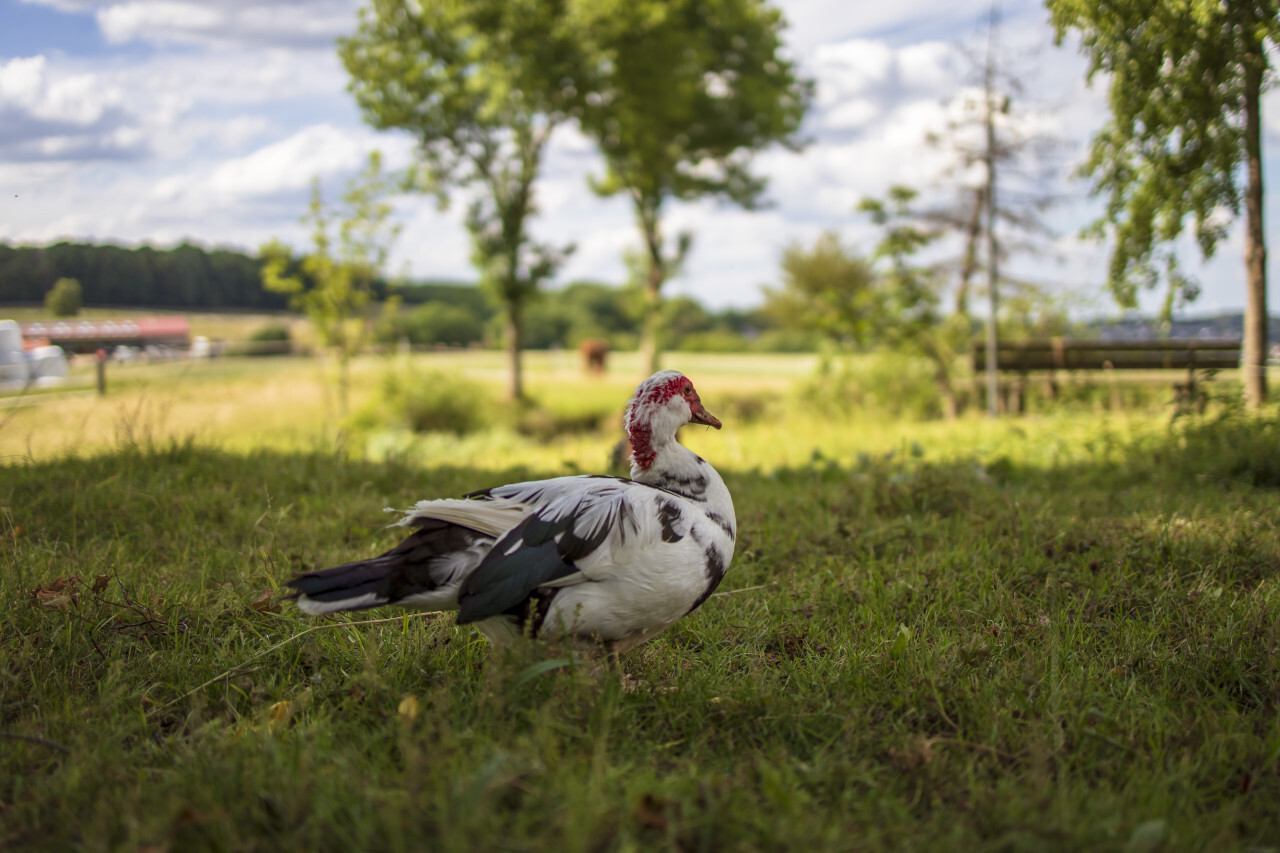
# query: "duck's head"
{"points": [[661, 405]]}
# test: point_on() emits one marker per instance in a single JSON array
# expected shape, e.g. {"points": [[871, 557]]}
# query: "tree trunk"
{"points": [[1253, 360], [650, 351], [514, 339], [993, 278], [942, 376], [344, 385], [969, 261]]}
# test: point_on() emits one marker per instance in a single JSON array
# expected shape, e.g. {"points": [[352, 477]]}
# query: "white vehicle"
{"points": [[42, 365]]}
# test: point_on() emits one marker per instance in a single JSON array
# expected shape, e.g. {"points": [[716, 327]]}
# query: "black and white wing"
{"points": [[573, 520]]}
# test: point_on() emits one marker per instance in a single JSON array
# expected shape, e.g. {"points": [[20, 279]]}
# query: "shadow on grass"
{"points": [[979, 653]]}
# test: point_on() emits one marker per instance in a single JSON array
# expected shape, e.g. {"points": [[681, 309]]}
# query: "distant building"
{"points": [[93, 335], [1229, 327]]}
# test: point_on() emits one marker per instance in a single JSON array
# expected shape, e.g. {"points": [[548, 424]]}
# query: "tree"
{"points": [[881, 301], [433, 324], [1185, 97], [828, 289], [335, 286], [111, 275], [64, 299], [910, 292], [992, 225], [685, 92], [481, 84]]}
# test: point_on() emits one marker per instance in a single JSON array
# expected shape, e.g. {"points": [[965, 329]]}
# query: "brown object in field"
{"points": [[595, 352]]}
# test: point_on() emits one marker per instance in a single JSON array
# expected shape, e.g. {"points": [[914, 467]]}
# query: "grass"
{"points": [[282, 403], [1059, 633]]}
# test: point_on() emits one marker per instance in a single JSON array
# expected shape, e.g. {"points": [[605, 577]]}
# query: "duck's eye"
{"points": [[688, 389]]}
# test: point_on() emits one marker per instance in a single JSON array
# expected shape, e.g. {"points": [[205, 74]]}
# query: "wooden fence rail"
{"points": [[1049, 355]]}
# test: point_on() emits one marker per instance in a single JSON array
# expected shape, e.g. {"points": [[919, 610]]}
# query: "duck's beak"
{"points": [[699, 415]]}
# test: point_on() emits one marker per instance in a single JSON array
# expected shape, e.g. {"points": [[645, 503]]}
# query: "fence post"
{"points": [[1110, 370], [101, 357]]}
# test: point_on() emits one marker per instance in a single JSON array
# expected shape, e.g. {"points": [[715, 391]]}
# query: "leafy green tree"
{"points": [[463, 295], [332, 284], [683, 316], [685, 91], [599, 311], [481, 86], [910, 292], [1186, 122], [549, 323], [566, 316], [65, 298], [828, 289], [433, 323], [1018, 215]]}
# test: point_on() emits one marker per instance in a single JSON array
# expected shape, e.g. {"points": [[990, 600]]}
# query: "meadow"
{"points": [[1057, 632]]}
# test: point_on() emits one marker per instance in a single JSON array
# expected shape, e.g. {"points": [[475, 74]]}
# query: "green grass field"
{"points": [[1054, 633]]}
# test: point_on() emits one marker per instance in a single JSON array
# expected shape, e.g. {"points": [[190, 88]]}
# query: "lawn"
{"points": [[1054, 633]]}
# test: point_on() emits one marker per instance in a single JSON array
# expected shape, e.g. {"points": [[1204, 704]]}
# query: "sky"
{"points": [[159, 121]]}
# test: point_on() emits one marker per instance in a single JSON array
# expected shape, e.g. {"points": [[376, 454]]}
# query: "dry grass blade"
{"points": [[36, 740], [743, 589], [280, 645]]}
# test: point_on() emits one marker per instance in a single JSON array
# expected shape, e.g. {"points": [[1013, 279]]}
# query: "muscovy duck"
{"points": [[595, 560]]}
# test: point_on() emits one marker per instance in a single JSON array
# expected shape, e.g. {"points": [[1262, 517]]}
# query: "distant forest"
{"points": [[184, 277], [452, 313], [189, 277]]}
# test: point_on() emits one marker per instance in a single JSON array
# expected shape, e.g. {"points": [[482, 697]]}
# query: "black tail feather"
{"points": [[350, 580], [402, 571]]}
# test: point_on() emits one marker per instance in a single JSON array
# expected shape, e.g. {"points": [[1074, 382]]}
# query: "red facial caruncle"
{"points": [[653, 398]]}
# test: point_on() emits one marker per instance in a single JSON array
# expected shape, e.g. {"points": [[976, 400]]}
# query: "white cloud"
{"points": [[232, 106], [930, 66], [158, 20], [1271, 114], [22, 81], [230, 134], [66, 5], [320, 151], [434, 244], [25, 84], [850, 68], [46, 116], [289, 164], [814, 23], [314, 23], [851, 113]]}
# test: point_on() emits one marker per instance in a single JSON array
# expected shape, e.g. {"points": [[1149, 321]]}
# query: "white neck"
{"points": [[680, 470]]}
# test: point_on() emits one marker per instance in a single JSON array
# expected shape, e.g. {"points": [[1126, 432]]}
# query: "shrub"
{"points": [[1229, 445], [271, 339], [741, 408], [547, 425], [777, 340], [715, 341], [433, 324], [425, 402], [886, 383], [65, 299], [270, 333]]}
